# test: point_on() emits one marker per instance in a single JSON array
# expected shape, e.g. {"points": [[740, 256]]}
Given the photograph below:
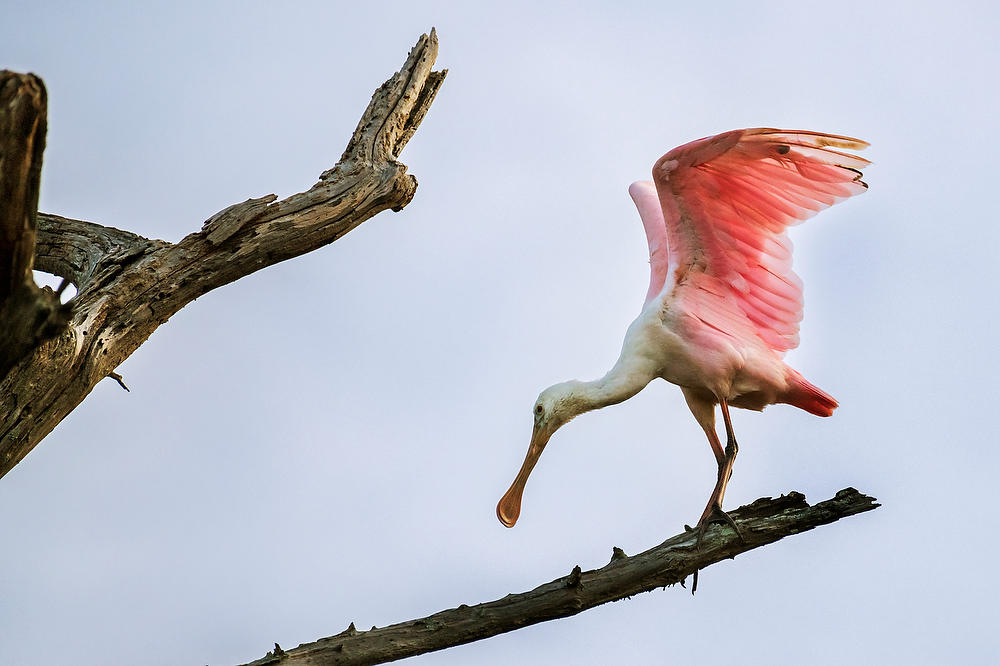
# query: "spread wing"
{"points": [[725, 202]]}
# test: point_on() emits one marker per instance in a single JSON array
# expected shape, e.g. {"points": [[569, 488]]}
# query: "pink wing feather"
{"points": [[725, 203], [644, 196]]}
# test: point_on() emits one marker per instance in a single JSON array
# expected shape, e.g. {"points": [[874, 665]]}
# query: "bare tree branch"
{"points": [[128, 285], [28, 315], [763, 522]]}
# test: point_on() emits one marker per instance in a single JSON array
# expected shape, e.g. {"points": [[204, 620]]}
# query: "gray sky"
{"points": [[325, 441]]}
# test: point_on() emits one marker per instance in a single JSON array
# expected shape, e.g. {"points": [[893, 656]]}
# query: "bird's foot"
{"points": [[720, 516], [714, 515]]}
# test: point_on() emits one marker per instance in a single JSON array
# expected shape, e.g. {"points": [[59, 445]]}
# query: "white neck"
{"points": [[623, 381]]}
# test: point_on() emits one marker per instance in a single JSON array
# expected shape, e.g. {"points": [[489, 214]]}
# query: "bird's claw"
{"points": [[717, 515]]}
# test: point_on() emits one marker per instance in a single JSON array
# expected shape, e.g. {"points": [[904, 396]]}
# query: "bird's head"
{"points": [[554, 407]]}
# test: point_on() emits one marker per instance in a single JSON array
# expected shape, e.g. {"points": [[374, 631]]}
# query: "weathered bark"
{"points": [[28, 315], [762, 522], [128, 285]]}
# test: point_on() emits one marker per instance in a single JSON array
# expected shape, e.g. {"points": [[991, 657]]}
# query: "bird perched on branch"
{"points": [[723, 304]]}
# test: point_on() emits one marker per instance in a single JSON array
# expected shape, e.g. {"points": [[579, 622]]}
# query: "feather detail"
{"points": [[726, 201]]}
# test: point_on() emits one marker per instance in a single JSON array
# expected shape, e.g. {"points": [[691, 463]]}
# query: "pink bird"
{"points": [[723, 304]]}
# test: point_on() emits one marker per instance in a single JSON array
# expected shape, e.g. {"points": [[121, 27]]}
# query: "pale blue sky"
{"points": [[325, 441]]}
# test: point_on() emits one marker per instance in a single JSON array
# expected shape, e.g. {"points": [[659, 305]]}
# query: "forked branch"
{"points": [[128, 285], [762, 522]]}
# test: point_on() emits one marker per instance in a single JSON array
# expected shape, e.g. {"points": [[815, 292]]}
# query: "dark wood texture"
{"points": [[28, 315]]}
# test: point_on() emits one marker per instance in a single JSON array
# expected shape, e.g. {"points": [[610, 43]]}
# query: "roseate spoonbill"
{"points": [[723, 303]]}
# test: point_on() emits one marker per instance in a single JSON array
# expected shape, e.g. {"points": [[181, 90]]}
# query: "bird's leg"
{"points": [[725, 457], [704, 412], [732, 448], [713, 440]]}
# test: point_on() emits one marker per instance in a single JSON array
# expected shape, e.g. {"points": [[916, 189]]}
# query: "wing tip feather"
{"points": [[815, 139]]}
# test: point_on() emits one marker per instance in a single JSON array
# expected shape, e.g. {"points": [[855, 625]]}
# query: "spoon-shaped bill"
{"points": [[509, 506]]}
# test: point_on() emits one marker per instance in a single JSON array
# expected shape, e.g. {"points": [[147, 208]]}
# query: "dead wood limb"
{"points": [[22, 142], [128, 285], [762, 522], [28, 315]]}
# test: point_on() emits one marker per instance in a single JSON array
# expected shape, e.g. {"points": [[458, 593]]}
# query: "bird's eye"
{"points": [[539, 410]]}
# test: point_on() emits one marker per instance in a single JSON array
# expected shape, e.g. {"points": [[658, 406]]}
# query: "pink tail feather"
{"points": [[805, 396]]}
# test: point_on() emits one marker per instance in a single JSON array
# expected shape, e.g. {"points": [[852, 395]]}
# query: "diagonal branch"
{"points": [[762, 522], [128, 285]]}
